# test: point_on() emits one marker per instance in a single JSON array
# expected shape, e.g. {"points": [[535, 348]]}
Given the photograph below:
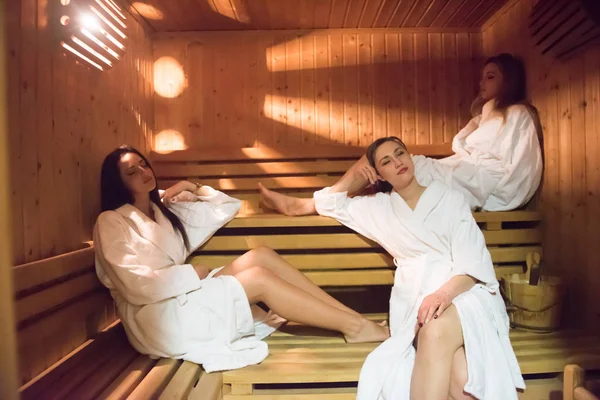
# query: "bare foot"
{"points": [[370, 332], [287, 205]]}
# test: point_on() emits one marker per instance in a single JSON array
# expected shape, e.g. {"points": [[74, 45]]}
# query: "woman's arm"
{"points": [[435, 304], [117, 257], [171, 194], [357, 178]]}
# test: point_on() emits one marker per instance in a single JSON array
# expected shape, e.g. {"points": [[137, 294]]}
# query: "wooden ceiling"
{"points": [[210, 15]]}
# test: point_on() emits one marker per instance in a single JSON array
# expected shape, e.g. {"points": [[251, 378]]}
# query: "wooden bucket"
{"points": [[533, 307]]}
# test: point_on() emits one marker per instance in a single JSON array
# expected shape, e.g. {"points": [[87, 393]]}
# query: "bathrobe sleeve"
{"points": [[139, 284], [521, 158], [470, 255], [357, 213], [204, 217]]}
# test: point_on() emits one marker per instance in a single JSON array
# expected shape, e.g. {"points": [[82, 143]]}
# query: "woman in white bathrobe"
{"points": [[497, 163], [172, 309], [449, 326]]}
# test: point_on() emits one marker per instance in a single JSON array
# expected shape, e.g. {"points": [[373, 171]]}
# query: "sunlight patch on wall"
{"points": [[147, 11], [169, 140], [169, 78]]}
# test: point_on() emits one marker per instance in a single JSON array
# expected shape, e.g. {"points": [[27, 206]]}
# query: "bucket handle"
{"points": [[512, 307]]}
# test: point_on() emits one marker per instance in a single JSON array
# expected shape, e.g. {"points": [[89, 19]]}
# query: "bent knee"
{"points": [[434, 332], [259, 253]]}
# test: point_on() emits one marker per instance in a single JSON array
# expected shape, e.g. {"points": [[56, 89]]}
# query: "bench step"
{"points": [[301, 356]]}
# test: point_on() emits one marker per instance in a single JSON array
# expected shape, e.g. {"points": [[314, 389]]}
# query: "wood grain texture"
{"points": [[188, 15], [262, 89], [567, 95], [64, 118]]}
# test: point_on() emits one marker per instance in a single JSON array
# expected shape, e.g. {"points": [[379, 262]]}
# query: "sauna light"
{"points": [[90, 22], [107, 22], [78, 54], [92, 51], [107, 10], [98, 35], [99, 43], [115, 7]]}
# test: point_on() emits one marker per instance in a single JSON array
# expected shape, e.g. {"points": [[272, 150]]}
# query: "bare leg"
{"points": [[438, 342], [295, 304], [458, 377], [288, 205], [269, 259]]}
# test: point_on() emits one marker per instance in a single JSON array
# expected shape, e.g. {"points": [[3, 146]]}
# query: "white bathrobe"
{"points": [[167, 311], [497, 163], [430, 245]]}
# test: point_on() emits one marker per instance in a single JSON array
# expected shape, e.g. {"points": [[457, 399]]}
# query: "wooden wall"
{"points": [[309, 87], [64, 118], [567, 95]]}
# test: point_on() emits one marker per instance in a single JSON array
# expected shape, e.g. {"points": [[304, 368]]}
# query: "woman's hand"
{"points": [[363, 170], [177, 192], [202, 271], [433, 306]]}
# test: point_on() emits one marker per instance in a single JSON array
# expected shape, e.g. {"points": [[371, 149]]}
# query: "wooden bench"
{"points": [[574, 384], [72, 345], [303, 362], [337, 258]]}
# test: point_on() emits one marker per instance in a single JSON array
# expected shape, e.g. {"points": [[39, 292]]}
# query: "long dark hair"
{"points": [[114, 193], [513, 90], [382, 186]]}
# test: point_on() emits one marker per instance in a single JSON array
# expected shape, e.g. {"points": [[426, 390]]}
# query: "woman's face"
{"points": [[394, 164], [136, 174], [491, 81]]}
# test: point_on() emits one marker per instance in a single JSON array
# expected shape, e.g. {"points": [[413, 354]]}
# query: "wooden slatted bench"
{"points": [[574, 387], [296, 171], [335, 257], [303, 362]]}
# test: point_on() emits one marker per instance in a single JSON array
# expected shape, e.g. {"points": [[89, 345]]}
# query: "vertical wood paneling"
{"points": [[29, 142], [64, 118], [365, 90], [463, 49], [394, 93], [350, 90], [307, 90], [321, 87], [279, 93], [336, 93], [12, 20], [408, 84], [592, 181], [423, 94], [451, 87], [381, 85], [566, 94], [293, 134], [436, 73], [263, 95]]}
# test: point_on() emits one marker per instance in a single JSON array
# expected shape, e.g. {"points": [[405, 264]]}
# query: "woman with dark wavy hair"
{"points": [[170, 308], [498, 158]]}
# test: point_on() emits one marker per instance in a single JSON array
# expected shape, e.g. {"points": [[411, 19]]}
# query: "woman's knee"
{"points": [[259, 254], [255, 280], [438, 336]]}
